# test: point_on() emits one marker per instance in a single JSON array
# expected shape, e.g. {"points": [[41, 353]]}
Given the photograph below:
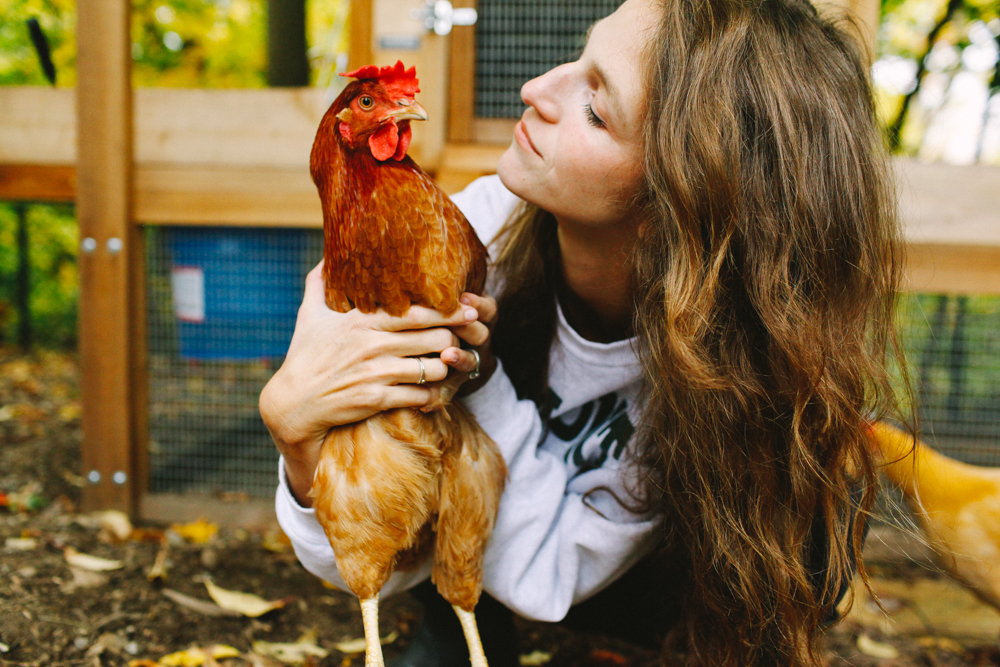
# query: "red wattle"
{"points": [[405, 135], [384, 142]]}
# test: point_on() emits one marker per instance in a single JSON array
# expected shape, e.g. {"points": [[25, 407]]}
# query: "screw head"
{"points": [[94, 477], [88, 245], [119, 477], [114, 245]]}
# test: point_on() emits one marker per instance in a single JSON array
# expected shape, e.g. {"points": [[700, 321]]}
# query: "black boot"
{"points": [[439, 641]]}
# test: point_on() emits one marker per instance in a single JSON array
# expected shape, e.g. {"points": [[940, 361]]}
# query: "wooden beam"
{"points": [[244, 197], [104, 107], [32, 182]]}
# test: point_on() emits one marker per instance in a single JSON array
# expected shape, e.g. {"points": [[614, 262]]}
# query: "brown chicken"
{"points": [[958, 506], [402, 482]]}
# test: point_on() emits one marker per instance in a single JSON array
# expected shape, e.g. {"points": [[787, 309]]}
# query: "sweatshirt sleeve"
{"points": [[552, 546]]}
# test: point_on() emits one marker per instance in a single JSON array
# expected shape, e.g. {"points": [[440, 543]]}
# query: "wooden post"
{"points": [[360, 51], [108, 248]]}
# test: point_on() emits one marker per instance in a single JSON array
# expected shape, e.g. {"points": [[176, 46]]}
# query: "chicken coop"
{"points": [[198, 222]]}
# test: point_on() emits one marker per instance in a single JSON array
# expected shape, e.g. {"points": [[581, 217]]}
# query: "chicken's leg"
{"points": [[468, 620], [373, 647]]}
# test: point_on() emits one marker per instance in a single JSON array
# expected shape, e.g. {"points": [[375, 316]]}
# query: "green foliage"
{"points": [[52, 238], [18, 61], [199, 43]]}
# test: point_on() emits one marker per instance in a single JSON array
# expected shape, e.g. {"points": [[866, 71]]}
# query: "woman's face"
{"points": [[577, 150]]}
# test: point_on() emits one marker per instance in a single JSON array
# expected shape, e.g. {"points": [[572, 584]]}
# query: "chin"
{"points": [[512, 173]]}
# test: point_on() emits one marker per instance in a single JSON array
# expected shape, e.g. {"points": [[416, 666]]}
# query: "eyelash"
{"points": [[592, 118]]}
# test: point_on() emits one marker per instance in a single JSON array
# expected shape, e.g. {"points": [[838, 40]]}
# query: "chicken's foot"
{"points": [[468, 620], [373, 648]]}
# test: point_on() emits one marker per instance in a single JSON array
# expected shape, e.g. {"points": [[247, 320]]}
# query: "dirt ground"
{"points": [[58, 608]]}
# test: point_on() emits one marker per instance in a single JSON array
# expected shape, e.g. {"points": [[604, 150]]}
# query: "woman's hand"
{"points": [[344, 367], [476, 334]]}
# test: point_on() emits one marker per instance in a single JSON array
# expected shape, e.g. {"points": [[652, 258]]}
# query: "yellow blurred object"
{"points": [[197, 532], [195, 657], [958, 506]]}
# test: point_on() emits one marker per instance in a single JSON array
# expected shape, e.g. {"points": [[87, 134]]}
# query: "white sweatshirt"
{"points": [[561, 535]]}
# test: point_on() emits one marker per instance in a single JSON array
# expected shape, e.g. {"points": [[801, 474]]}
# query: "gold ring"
{"points": [[422, 379]]}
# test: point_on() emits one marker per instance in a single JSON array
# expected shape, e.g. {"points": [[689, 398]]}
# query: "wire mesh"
{"points": [[521, 39], [952, 345], [221, 311]]}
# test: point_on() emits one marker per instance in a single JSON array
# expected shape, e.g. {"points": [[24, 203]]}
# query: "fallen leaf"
{"points": [[276, 541], [535, 659], [197, 532], [875, 649], [88, 562], [4, 648], [84, 579], [21, 543], [943, 643], [6, 413], [358, 645], [159, 570], [194, 604], [244, 603], [195, 657], [291, 653], [115, 525], [143, 663]]}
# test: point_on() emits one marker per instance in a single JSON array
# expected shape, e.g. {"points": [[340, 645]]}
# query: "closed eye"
{"points": [[592, 118]]}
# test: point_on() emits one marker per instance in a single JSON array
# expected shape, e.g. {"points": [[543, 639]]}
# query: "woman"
{"points": [[695, 303]]}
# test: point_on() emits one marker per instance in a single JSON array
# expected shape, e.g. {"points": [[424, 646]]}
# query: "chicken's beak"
{"points": [[412, 111]]}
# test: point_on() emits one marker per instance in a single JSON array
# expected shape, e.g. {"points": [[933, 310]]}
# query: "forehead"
{"points": [[617, 45]]}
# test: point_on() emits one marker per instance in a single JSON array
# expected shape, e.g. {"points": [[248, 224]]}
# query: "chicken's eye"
{"points": [[365, 102]]}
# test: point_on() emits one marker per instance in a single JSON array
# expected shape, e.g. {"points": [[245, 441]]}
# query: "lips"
{"points": [[524, 139]]}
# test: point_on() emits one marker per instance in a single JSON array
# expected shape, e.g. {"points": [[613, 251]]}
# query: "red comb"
{"points": [[395, 78]]}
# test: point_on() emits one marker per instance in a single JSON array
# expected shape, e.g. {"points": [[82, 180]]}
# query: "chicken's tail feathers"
{"points": [[473, 474]]}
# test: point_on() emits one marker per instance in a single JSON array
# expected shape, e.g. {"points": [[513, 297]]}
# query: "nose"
{"points": [[544, 92]]}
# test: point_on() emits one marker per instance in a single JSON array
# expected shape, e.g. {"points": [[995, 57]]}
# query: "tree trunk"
{"points": [[286, 43]]}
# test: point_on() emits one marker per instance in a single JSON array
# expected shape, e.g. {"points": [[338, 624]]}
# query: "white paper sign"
{"points": [[188, 284]]}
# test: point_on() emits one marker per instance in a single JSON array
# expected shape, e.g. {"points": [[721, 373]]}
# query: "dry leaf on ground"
{"points": [[196, 656], [88, 562], [534, 659], [291, 653], [876, 649], [358, 645], [197, 532], [244, 603], [194, 604]]}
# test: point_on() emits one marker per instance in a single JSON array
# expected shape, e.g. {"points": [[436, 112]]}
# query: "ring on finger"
{"points": [[423, 377], [474, 373]]}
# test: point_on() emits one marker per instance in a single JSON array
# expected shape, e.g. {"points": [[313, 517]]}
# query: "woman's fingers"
{"points": [[463, 361], [485, 305], [408, 371], [315, 293], [418, 317]]}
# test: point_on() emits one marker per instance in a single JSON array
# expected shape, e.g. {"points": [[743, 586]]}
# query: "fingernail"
{"points": [[452, 358], [471, 314], [466, 300]]}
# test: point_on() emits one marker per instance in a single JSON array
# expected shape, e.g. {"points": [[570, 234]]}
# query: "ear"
{"points": [[384, 142], [345, 117], [405, 134]]}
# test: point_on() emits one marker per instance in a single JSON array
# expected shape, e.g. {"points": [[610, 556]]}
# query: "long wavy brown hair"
{"points": [[765, 285]]}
